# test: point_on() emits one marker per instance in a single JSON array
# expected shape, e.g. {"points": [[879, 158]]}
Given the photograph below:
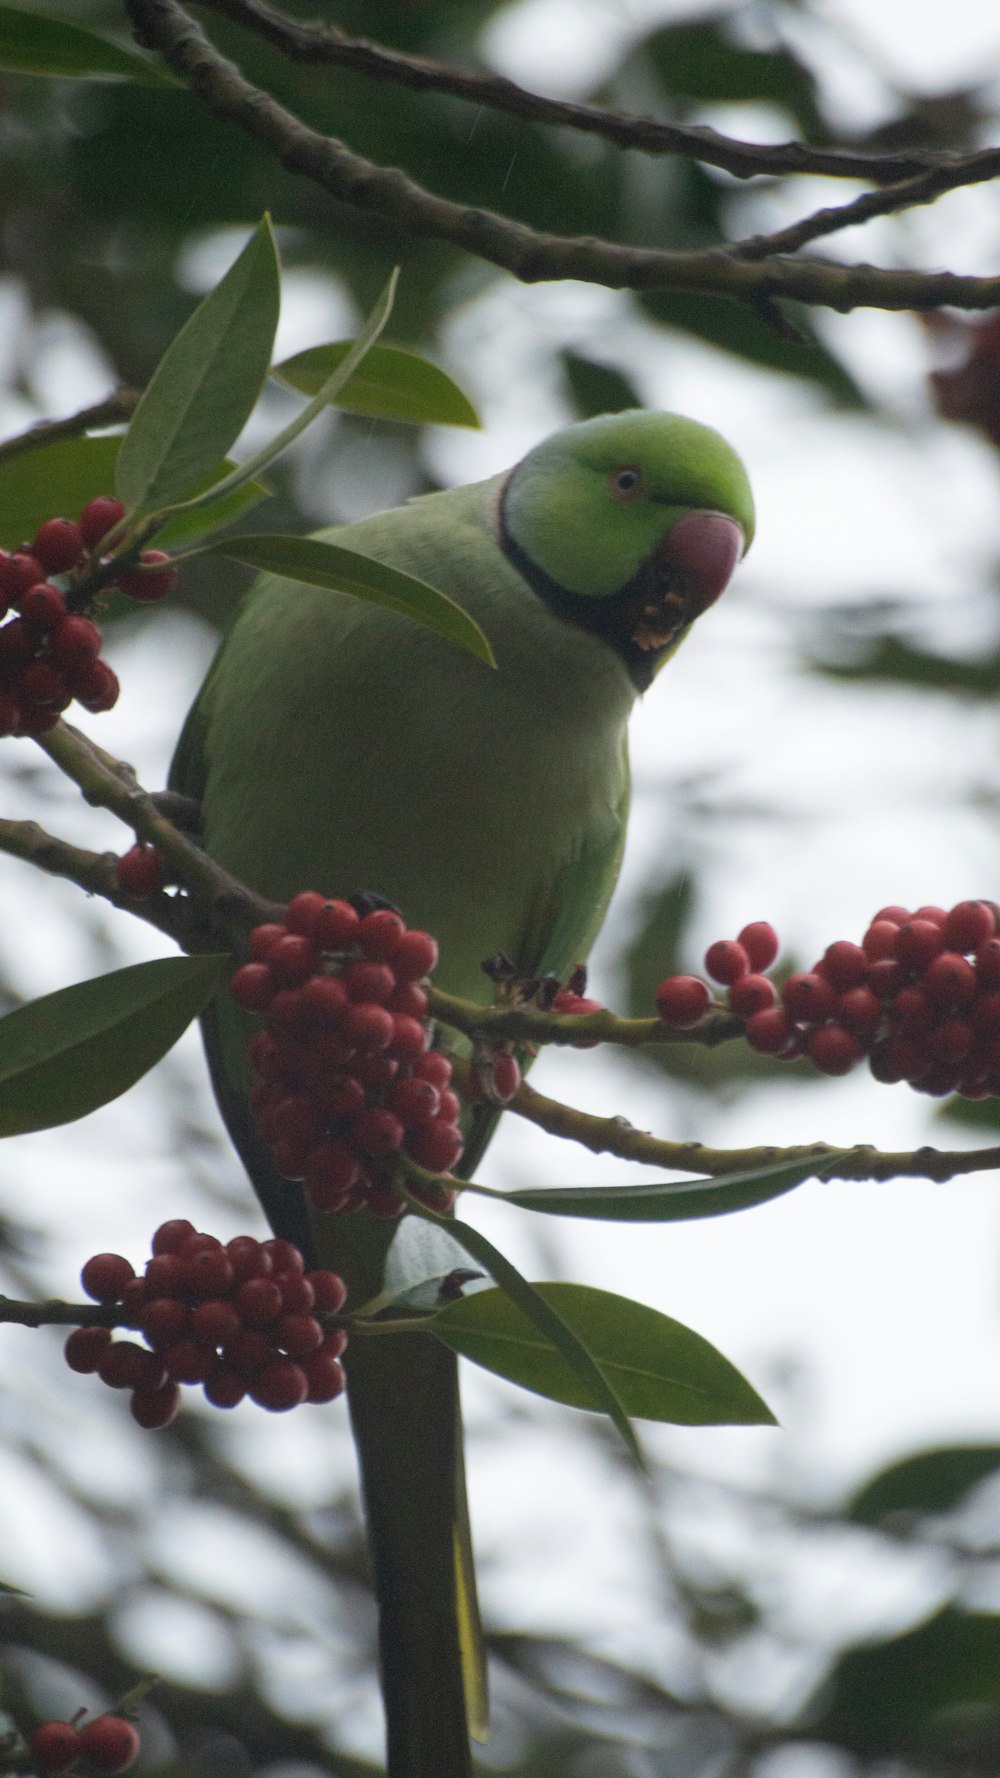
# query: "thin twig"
{"points": [[530, 255], [613, 1135], [94, 872], [313, 42], [110, 412], [529, 1024]]}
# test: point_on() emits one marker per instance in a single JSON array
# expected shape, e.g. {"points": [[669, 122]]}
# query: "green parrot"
{"points": [[337, 745]]}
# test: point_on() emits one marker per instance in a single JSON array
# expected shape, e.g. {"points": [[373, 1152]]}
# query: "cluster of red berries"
{"points": [[49, 646], [920, 997], [239, 1319], [346, 1081], [109, 1743]]}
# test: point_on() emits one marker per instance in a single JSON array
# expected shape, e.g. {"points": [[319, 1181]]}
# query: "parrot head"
{"points": [[630, 526]]}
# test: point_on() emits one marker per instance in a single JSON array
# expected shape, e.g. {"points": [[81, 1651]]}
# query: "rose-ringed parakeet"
{"points": [[339, 746]]}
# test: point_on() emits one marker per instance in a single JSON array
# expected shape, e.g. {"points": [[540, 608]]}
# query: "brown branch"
{"points": [[530, 255], [313, 42], [110, 412], [55, 1313], [526, 1023], [924, 188], [94, 872], [615, 1136]]}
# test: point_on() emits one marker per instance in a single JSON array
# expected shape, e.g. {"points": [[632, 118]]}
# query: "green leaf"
{"points": [[391, 384], [187, 524], [61, 477], [575, 1364], [928, 1482], [346, 571], [64, 1055], [206, 384], [671, 1200], [597, 388], [658, 1369], [365, 340], [936, 1688], [30, 43], [703, 60]]}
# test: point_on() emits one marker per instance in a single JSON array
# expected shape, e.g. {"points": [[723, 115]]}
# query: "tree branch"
{"points": [[530, 255], [313, 42], [119, 406], [614, 1135]]}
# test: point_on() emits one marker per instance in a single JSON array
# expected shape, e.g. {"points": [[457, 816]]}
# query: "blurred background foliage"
{"points": [[228, 1557]]}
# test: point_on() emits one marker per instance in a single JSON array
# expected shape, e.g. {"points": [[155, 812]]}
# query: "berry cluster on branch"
{"points": [[919, 996], [346, 1081], [50, 646], [105, 1744], [239, 1319]]}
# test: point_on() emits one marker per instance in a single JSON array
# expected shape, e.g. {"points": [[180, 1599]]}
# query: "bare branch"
{"points": [[613, 1135], [314, 42], [528, 254], [119, 406]]}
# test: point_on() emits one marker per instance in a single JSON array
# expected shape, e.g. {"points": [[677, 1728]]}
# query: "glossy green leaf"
{"points": [[597, 388], [30, 43], [348, 365], [935, 1688], [391, 384], [555, 1350], [61, 477], [67, 1053], [346, 571], [659, 1369], [927, 1482], [671, 1200], [206, 384]]}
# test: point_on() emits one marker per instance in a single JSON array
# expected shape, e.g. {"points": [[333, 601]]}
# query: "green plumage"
{"points": [[339, 746]]}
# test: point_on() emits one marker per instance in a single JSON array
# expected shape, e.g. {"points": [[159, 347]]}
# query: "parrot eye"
{"points": [[626, 483]]}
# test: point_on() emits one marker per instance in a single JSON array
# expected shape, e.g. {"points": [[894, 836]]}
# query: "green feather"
{"points": [[340, 746]]}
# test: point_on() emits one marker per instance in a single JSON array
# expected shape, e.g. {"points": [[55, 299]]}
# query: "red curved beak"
{"points": [[703, 548]]}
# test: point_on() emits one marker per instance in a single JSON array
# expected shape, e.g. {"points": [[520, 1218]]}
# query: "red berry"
{"points": [[288, 1013], [285, 1256], [911, 1007], [886, 978], [303, 911], [215, 1323], [105, 1276], [263, 940], [435, 1145], [248, 1258], [953, 1039], [808, 996], [280, 1386], [55, 1745], [330, 1291], [984, 1013], [844, 965], [253, 987], [752, 993], [408, 998], [126, 1365], [297, 1295], [950, 980], [171, 1236], [75, 639], [368, 1026], [20, 571], [860, 1011], [249, 1352], [96, 686], [341, 1096], [325, 1377], [140, 872], [897, 916], [682, 1000], [43, 606], [258, 1302], [86, 1347], [879, 941], [166, 1275], [760, 942], [298, 1335], [917, 942], [410, 1038], [769, 1032], [156, 1407], [326, 998], [433, 1066], [377, 1131], [969, 925], [150, 582], [57, 544], [42, 683], [98, 517], [987, 959], [368, 980], [164, 1320], [726, 961], [209, 1275], [379, 933], [331, 1165], [292, 960], [833, 1049], [224, 1387], [414, 956], [336, 926], [188, 1361]]}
